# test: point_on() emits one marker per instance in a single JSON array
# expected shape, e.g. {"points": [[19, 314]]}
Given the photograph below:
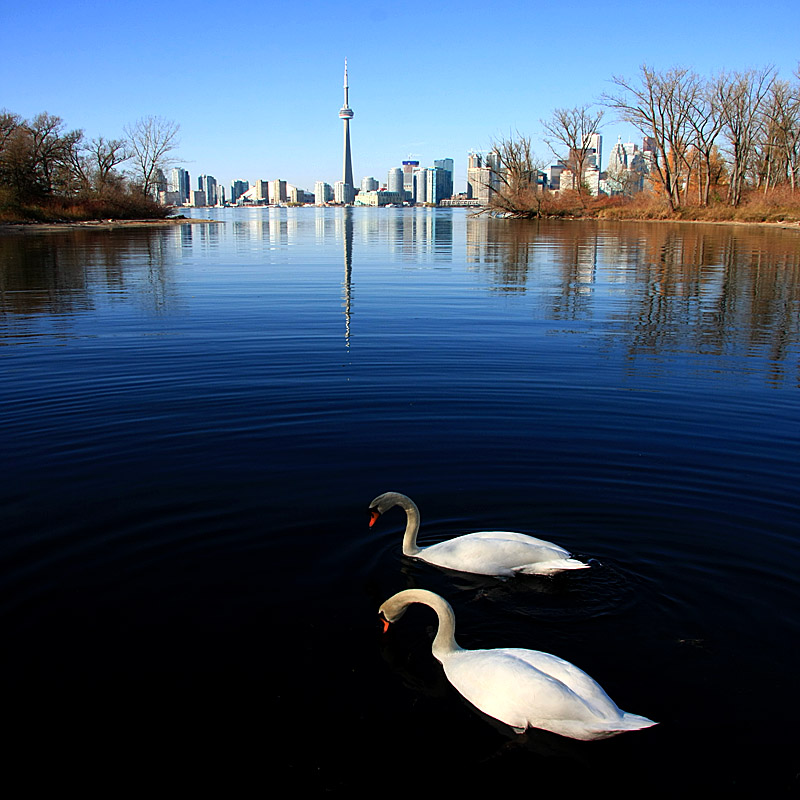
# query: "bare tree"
{"points": [[659, 105], [778, 148], [741, 96], [150, 140], [573, 129], [517, 190], [35, 156], [706, 124]]}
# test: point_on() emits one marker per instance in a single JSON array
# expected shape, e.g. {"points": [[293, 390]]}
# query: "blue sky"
{"points": [[256, 86]]}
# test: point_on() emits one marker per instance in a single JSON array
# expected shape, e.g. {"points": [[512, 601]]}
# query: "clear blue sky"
{"points": [[256, 86]]}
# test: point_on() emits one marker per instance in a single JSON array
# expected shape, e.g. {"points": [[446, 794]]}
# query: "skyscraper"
{"points": [[346, 114]]}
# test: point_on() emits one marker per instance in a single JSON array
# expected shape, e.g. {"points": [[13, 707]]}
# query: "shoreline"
{"points": [[97, 224], [112, 224]]}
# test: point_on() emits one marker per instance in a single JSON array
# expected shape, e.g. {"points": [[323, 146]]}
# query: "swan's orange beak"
{"points": [[385, 624], [373, 517]]}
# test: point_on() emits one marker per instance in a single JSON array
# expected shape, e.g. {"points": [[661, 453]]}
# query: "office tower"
{"points": [[341, 192], [277, 191], [208, 185], [346, 114], [238, 188], [437, 183], [369, 185], [420, 192], [446, 165], [323, 193], [595, 150], [394, 182], [408, 176], [180, 184]]}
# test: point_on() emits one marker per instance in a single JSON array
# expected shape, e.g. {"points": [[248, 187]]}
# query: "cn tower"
{"points": [[346, 114]]}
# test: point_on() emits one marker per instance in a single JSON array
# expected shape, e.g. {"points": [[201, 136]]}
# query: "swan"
{"points": [[522, 688], [501, 553]]}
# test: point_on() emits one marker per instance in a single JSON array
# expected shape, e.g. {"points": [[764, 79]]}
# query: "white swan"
{"points": [[485, 553], [523, 688]]}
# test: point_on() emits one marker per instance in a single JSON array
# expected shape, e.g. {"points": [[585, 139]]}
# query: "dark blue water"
{"points": [[195, 418]]}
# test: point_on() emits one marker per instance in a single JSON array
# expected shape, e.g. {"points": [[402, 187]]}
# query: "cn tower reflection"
{"points": [[348, 270]]}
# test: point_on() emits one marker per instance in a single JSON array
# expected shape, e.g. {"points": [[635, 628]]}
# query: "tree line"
{"points": [[47, 169], [710, 140]]}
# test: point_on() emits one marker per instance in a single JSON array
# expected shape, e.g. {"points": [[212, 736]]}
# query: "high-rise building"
{"points": [[394, 182], [346, 114], [369, 185], [238, 188], [180, 183], [595, 151], [277, 191], [482, 178], [446, 165], [208, 184], [420, 185], [408, 176], [323, 193]]}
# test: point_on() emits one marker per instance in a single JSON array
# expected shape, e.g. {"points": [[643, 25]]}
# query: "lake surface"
{"points": [[195, 419]]}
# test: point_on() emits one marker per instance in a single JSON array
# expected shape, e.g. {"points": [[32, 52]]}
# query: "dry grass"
{"points": [[120, 206], [777, 205]]}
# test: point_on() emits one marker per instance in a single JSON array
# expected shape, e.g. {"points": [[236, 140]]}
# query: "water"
{"points": [[195, 419]]}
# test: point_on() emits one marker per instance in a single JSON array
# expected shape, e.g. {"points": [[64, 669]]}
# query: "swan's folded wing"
{"points": [[491, 552], [514, 690]]}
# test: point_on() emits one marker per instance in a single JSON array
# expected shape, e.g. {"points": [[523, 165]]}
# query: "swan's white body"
{"points": [[502, 553], [523, 688]]}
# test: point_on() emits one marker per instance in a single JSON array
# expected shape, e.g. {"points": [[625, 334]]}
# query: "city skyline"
{"points": [[255, 101]]}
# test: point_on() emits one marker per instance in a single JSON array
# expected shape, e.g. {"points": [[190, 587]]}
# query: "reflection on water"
{"points": [[196, 416], [657, 287]]}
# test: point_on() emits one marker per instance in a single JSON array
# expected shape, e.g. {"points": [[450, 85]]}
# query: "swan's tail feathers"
{"points": [[633, 722], [550, 567], [605, 730]]}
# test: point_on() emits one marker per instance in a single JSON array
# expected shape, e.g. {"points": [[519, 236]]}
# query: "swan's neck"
{"points": [[444, 644], [412, 528]]}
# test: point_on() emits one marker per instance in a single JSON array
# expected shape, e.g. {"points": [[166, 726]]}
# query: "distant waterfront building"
{"points": [[342, 193], [323, 193], [208, 185], [181, 184], [277, 191], [369, 185], [481, 178], [198, 198], [346, 114], [238, 188], [394, 182], [169, 198], [374, 198], [260, 192], [446, 165], [420, 175], [626, 170], [595, 151], [408, 176]]}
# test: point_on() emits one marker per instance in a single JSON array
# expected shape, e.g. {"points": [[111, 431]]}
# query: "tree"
{"points": [[36, 156], [96, 160], [573, 129], [150, 141], [517, 190], [741, 96], [659, 104], [778, 148], [706, 123]]}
